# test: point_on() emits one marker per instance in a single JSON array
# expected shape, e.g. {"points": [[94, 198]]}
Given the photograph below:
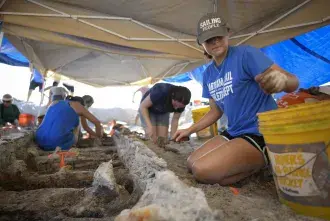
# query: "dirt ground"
{"points": [[257, 198], [44, 192]]}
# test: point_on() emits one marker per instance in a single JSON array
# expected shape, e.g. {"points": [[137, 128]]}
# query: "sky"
{"points": [[16, 80]]}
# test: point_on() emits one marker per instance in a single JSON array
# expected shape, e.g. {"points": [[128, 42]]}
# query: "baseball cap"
{"points": [[211, 25]]}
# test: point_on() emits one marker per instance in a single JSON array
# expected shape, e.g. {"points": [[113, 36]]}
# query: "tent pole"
{"points": [[297, 25], [114, 33], [275, 21], [165, 39], [144, 69], [181, 69], [42, 96], [2, 3], [166, 35], [34, 14], [1, 36], [174, 66]]}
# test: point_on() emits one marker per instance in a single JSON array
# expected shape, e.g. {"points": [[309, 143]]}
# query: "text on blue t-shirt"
{"points": [[233, 87]]}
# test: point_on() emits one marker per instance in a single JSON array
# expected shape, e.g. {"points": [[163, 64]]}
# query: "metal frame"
{"points": [[1, 37], [169, 38], [78, 18], [2, 3], [273, 22], [185, 64]]}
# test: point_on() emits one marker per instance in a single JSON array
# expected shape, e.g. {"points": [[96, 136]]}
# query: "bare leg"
{"points": [[162, 131], [228, 163], [29, 94], [76, 135], [154, 134], [136, 119], [204, 149]]}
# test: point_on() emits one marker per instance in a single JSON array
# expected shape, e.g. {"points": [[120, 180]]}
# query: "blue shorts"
{"points": [[156, 119]]}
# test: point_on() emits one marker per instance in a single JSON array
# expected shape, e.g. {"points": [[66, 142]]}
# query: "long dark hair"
{"points": [[207, 55], [181, 94]]}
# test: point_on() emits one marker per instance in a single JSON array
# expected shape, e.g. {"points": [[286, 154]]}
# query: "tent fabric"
{"points": [[69, 35], [307, 56]]}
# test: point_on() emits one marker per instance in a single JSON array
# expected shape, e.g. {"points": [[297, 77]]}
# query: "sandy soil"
{"points": [[66, 195], [257, 199]]}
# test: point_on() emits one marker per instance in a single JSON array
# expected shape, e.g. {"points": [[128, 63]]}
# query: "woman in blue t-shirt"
{"points": [[157, 104], [239, 83], [60, 126]]}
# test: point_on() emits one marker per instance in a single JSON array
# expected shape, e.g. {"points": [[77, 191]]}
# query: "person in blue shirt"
{"points": [[60, 126], [36, 81], [239, 82], [157, 104]]}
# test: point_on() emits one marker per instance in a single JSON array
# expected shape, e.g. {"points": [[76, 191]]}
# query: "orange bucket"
{"points": [[26, 120]]}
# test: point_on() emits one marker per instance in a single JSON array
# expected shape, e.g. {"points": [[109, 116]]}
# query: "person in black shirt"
{"points": [[156, 106]]}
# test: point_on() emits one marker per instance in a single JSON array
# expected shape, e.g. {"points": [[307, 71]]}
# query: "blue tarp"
{"points": [[9, 55], [307, 56]]}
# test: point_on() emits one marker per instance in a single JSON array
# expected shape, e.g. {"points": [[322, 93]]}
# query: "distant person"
{"points": [[36, 81], [310, 95], [56, 92], [143, 90], [9, 112], [156, 106], [70, 88], [60, 126], [88, 101]]}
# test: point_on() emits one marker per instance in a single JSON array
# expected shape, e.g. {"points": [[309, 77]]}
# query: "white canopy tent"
{"points": [[116, 42]]}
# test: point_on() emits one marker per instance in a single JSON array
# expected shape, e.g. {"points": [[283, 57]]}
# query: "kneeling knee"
{"points": [[201, 173], [208, 175]]}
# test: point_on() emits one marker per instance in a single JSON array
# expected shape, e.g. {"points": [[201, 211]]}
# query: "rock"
{"points": [[141, 161], [167, 198], [148, 213], [104, 183]]}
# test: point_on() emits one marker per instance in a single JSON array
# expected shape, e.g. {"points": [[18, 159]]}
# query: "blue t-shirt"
{"points": [[57, 127], [161, 98], [37, 77], [233, 87]]}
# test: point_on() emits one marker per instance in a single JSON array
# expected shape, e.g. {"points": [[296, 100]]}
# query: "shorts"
{"points": [[255, 140], [156, 119], [69, 87], [34, 85]]}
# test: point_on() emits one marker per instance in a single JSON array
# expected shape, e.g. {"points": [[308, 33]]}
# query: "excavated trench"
{"points": [[33, 187], [124, 180]]}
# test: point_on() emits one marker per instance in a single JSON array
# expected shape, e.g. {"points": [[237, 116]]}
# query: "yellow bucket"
{"points": [[298, 145], [208, 132]]}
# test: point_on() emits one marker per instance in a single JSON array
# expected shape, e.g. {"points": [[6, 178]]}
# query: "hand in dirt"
{"points": [[161, 142], [272, 81], [149, 132], [180, 135]]}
